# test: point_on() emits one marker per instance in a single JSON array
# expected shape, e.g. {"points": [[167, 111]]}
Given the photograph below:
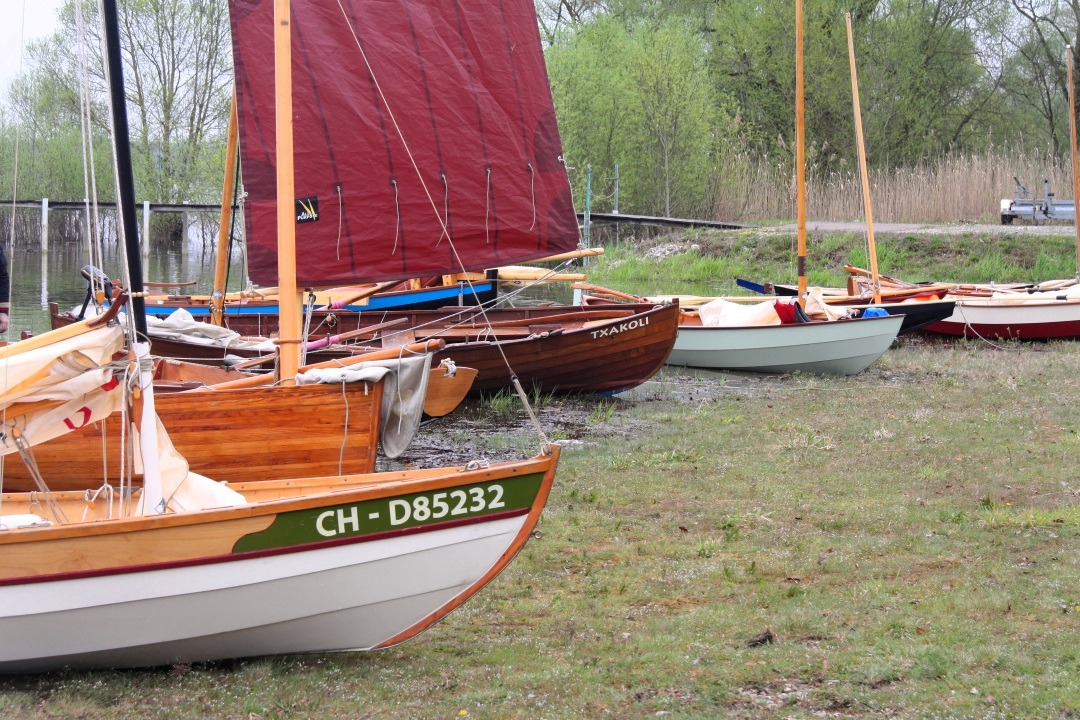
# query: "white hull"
{"points": [[1044, 316], [347, 597], [844, 347]]}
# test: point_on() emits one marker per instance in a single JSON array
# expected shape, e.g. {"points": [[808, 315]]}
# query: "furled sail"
{"points": [[409, 116]]}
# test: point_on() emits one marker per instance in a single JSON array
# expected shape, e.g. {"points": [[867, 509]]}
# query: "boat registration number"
{"points": [[380, 515]]}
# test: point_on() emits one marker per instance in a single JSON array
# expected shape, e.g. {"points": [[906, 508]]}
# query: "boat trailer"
{"points": [[1025, 206]]}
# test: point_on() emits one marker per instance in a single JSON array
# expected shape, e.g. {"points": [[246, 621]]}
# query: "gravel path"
{"points": [[1017, 228]]}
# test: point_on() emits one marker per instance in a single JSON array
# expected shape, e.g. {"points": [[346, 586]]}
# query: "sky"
{"points": [[23, 21]]}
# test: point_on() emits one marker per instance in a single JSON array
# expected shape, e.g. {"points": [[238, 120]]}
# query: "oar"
{"points": [[322, 342], [756, 287], [605, 291], [369, 330], [377, 288]]}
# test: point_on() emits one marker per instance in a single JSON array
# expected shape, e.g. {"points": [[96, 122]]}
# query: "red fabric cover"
{"points": [[786, 311], [467, 84]]}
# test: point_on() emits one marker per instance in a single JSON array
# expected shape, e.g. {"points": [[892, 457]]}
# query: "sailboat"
{"points": [[186, 568], [386, 196], [778, 336], [1048, 310]]}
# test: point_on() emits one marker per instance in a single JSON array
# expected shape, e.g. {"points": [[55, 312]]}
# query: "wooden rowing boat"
{"points": [[842, 347], [565, 349]]}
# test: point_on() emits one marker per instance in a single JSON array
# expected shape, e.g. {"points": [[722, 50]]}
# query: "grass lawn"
{"points": [[903, 543]]}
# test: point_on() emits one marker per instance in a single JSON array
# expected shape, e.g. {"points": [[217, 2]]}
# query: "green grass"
{"points": [[909, 536]]}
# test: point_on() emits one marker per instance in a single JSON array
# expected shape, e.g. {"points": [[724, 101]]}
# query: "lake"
{"points": [[36, 281]]}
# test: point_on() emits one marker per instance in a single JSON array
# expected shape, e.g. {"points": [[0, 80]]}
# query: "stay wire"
{"points": [[431, 201]]}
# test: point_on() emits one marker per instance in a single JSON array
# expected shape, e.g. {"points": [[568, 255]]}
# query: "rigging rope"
{"points": [[427, 192]]}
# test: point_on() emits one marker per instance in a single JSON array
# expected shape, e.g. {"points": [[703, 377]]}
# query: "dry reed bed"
{"points": [[958, 186]]}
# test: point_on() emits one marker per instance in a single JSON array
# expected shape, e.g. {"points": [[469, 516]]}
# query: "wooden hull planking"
{"points": [[233, 435], [564, 349]]}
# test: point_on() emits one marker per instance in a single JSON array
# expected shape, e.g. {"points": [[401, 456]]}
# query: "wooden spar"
{"points": [[861, 146], [388, 354], [221, 266], [1072, 145], [289, 299], [800, 152], [573, 254], [63, 333]]}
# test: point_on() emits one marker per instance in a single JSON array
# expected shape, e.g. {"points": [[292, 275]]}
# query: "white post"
{"points": [[44, 252], [44, 227], [184, 237], [146, 237]]}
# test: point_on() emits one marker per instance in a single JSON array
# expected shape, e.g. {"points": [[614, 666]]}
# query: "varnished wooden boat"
{"points": [[187, 569], [212, 428], [565, 349]]}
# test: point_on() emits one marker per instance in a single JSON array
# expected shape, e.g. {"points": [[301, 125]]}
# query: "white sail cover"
{"points": [[49, 391], [60, 387]]}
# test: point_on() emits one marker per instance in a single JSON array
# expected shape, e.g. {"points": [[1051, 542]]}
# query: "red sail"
{"points": [[454, 123]]}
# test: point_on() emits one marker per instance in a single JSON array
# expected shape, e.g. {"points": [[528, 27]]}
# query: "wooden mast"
{"points": [[221, 266], [800, 153], [1072, 145], [862, 165], [289, 299]]}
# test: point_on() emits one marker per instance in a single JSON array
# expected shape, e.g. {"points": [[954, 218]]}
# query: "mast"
{"points": [[800, 152], [289, 299], [221, 266], [876, 278], [124, 180], [1072, 145]]}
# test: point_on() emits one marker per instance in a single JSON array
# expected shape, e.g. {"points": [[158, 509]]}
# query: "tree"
{"points": [[177, 71], [641, 98]]}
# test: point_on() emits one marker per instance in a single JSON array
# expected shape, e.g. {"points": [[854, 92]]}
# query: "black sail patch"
{"points": [[307, 209]]}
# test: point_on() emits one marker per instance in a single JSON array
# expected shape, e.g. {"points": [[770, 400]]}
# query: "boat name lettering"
{"points": [[620, 328], [446, 504]]}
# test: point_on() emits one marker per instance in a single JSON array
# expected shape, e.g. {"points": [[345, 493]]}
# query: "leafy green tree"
{"points": [[639, 97]]}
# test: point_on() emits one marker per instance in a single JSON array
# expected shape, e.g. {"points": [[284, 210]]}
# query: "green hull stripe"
{"points": [[350, 520]]}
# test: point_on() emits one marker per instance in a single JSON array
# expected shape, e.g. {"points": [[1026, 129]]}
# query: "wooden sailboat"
{"points": [[187, 569], [411, 214], [758, 340], [1021, 311]]}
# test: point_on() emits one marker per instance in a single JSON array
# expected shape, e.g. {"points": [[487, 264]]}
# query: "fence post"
{"points": [[588, 203], [616, 210], [44, 227], [145, 237]]}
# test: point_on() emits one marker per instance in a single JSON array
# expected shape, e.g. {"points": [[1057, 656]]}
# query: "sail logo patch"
{"points": [[307, 209]]}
